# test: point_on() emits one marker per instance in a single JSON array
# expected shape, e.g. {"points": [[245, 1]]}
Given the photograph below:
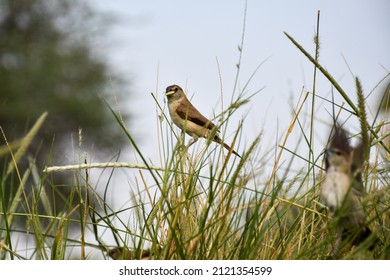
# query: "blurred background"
{"points": [[71, 57]]}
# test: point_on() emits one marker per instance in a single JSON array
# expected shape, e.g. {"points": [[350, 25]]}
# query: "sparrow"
{"points": [[188, 118], [342, 188]]}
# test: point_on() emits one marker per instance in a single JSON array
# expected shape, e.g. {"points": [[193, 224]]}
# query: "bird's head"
{"points": [[174, 92], [338, 152], [337, 158]]}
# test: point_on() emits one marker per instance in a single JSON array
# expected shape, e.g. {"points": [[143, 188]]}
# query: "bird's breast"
{"points": [[334, 189]]}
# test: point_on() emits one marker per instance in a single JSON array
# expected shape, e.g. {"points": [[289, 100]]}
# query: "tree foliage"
{"points": [[48, 62]]}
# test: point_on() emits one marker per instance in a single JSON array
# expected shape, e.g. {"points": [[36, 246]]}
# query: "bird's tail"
{"points": [[226, 146]]}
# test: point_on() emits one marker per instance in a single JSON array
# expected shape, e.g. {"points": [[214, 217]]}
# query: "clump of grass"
{"points": [[200, 204]]}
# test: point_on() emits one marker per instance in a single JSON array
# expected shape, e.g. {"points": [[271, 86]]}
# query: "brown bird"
{"points": [[342, 188], [188, 118]]}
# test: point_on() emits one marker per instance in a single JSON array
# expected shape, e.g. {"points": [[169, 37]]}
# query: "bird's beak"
{"points": [[169, 92]]}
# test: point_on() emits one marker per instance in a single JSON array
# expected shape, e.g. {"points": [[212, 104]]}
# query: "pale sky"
{"points": [[182, 40], [186, 37]]}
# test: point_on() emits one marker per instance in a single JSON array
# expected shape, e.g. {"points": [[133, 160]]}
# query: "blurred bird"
{"points": [[342, 188], [120, 253], [188, 118]]}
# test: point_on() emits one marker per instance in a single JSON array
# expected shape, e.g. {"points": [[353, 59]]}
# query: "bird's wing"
{"points": [[357, 164], [338, 140], [188, 112]]}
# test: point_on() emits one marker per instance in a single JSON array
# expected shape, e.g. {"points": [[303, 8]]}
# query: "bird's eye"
{"points": [[176, 89]]}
